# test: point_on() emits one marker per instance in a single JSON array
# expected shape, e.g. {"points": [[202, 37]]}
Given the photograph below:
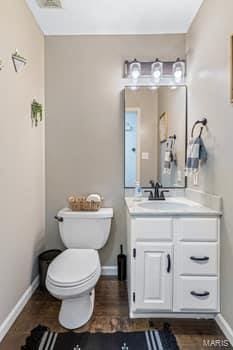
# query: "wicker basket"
{"points": [[81, 204]]}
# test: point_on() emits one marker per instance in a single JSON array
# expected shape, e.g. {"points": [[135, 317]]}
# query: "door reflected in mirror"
{"points": [[155, 135]]}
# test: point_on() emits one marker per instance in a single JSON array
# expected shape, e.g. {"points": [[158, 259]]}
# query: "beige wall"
{"points": [[208, 50], [147, 101], [84, 124], [21, 154]]}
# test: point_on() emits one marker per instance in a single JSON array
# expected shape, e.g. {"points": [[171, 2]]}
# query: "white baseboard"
{"points": [[109, 271], [225, 327], [8, 322]]}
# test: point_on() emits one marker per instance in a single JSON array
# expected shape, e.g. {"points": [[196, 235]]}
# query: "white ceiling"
{"points": [[116, 16]]}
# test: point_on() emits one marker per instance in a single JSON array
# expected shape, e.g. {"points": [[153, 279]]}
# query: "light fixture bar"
{"points": [[167, 70]]}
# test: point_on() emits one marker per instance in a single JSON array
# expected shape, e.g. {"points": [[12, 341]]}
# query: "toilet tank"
{"points": [[85, 229]]}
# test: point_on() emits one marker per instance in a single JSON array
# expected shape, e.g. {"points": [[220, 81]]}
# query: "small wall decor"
{"points": [[18, 61], [36, 112], [231, 92]]}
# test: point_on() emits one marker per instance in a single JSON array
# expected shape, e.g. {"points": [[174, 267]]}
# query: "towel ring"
{"points": [[203, 122]]}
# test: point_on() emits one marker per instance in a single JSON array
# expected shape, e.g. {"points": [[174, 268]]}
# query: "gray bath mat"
{"points": [[42, 338]]}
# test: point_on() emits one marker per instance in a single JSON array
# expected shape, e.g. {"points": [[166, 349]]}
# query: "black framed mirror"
{"points": [[155, 135]]}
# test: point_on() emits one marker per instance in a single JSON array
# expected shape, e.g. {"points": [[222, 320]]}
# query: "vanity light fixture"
{"points": [[178, 70], [135, 70], [157, 70], [155, 73]]}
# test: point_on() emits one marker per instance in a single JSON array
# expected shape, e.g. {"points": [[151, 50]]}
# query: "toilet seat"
{"points": [[74, 268]]}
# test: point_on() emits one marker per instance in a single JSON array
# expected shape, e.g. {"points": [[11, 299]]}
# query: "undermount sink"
{"points": [[164, 205]]}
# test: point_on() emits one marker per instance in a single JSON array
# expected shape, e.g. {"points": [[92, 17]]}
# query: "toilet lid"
{"points": [[73, 267]]}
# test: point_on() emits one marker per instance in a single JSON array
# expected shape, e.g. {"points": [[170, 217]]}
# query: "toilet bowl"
{"points": [[71, 278], [73, 274]]}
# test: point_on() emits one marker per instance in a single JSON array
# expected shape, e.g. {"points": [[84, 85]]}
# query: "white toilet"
{"points": [[72, 275]]}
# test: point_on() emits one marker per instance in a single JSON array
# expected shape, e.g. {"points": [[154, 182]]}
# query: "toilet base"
{"points": [[75, 312]]}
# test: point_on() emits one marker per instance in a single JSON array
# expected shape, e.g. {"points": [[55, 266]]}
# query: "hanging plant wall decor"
{"points": [[36, 112]]}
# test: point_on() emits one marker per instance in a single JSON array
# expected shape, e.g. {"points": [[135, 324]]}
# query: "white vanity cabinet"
{"points": [[173, 265]]}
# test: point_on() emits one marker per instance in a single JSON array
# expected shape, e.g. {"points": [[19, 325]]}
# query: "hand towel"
{"points": [[170, 156], [196, 154]]}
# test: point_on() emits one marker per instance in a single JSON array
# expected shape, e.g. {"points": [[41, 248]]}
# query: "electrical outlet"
{"points": [[50, 3]]}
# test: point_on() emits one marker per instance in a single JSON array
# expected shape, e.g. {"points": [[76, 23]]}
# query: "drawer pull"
{"points": [[204, 294], [168, 263], [204, 258]]}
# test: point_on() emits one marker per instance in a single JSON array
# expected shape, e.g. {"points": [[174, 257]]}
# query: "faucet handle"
{"points": [[152, 183], [162, 193], [150, 194]]}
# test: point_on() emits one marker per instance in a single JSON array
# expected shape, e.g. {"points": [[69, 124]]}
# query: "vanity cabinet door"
{"points": [[153, 276]]}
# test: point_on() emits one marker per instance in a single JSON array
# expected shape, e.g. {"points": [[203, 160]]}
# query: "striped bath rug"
{"points": [[42, 338]]}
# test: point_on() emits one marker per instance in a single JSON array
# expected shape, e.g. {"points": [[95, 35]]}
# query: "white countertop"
{"points": [[180, 206]]}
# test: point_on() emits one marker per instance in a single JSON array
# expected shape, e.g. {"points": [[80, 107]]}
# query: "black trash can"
{"points": [[45, 259]]}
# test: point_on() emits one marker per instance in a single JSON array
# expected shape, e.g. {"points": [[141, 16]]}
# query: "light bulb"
{"points": [[178, 74], [135, 70], [157, 70], [135, 74], [178, 71], [157, 74]]}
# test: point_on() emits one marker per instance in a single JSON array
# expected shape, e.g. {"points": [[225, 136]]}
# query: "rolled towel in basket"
{"points": [[94, 198]]}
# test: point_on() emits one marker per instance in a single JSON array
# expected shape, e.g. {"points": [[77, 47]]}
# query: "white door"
{"points": [[131, 148], [153, 276]]}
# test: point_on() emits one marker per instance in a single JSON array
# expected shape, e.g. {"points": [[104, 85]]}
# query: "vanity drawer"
{"points": [[152, 229], [198, 294], [197, 258], [197, 229]]}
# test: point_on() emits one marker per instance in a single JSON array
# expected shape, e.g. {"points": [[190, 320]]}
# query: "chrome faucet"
{"points": [[157, 195]]}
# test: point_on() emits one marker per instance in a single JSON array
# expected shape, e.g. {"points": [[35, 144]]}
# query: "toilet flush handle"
{"points": [[58, 218]]}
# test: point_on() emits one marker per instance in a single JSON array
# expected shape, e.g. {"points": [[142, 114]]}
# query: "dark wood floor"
{"points": [[110, 314]]}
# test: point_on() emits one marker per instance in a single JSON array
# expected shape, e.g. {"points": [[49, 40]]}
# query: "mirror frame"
{"points": [[186, 133]]}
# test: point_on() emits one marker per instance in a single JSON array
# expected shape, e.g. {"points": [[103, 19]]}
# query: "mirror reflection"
{"points": [[155, 135]]}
